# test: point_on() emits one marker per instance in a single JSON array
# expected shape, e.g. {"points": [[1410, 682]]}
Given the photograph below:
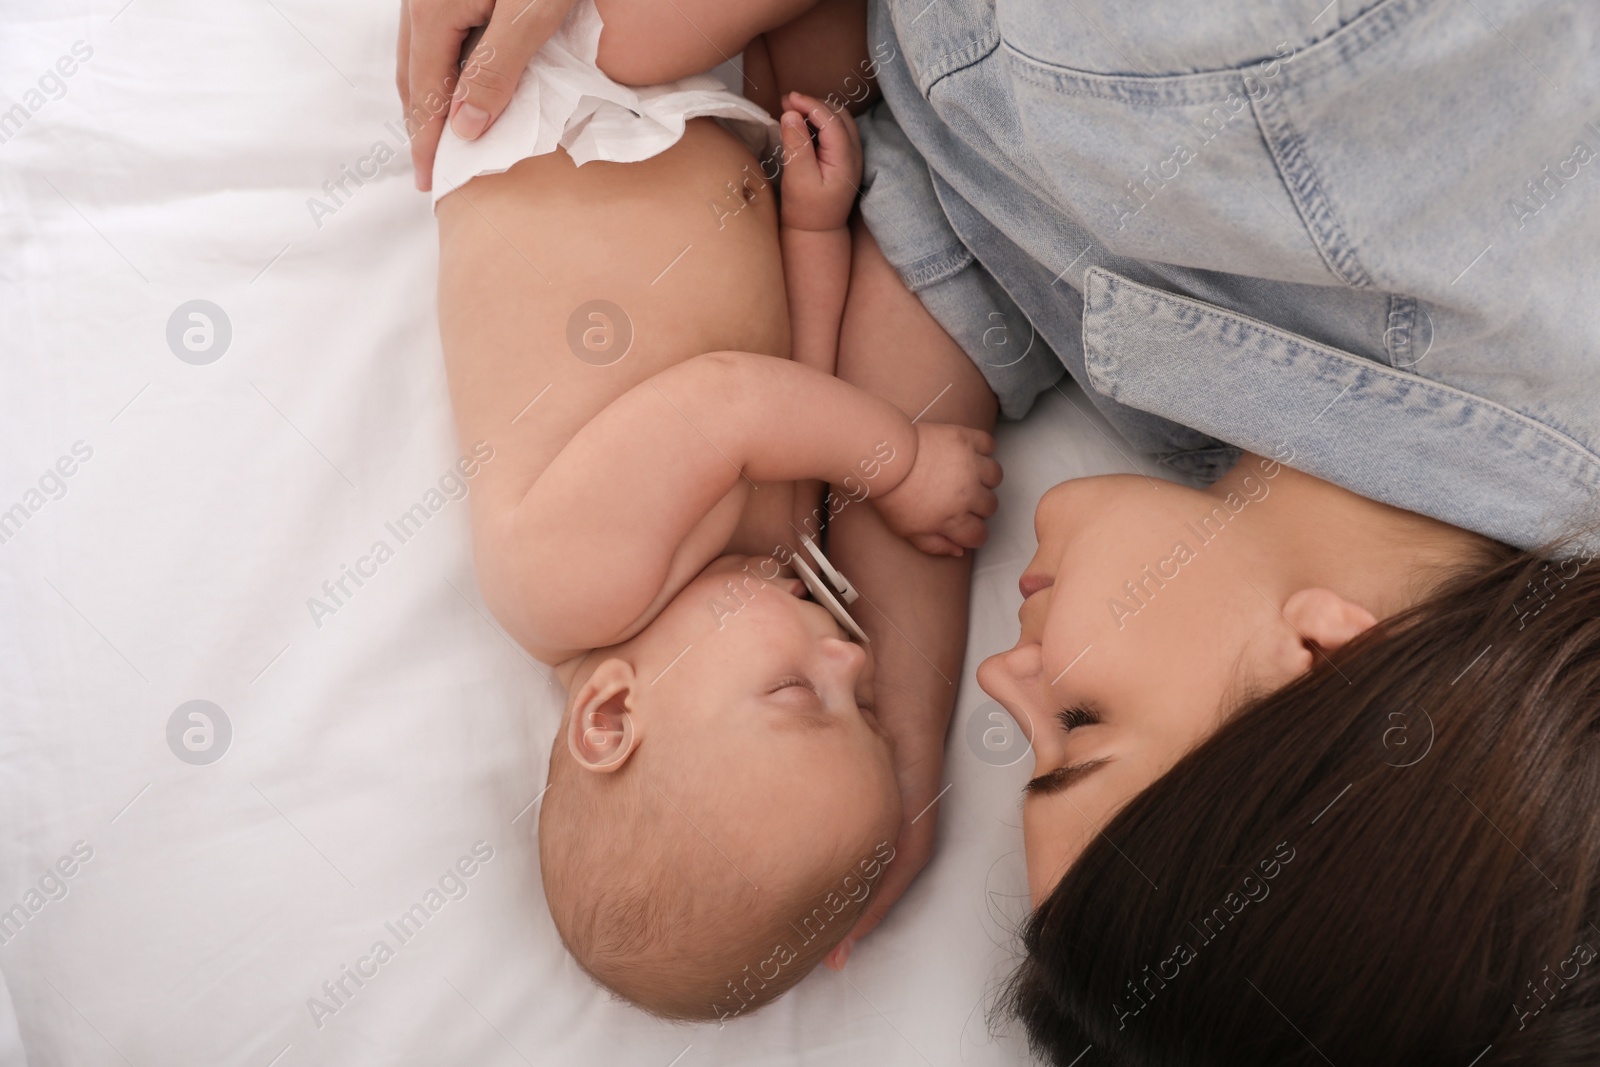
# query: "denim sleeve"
{"points": [[902, 210]]}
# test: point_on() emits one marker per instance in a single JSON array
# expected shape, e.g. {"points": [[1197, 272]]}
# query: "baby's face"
{"points": [[758, 706]]}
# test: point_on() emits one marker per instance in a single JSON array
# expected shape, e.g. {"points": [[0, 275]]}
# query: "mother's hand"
{"points": [[432, 82]]}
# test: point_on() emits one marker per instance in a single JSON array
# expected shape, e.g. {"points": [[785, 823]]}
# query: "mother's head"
{"points": [[1267, 827]]}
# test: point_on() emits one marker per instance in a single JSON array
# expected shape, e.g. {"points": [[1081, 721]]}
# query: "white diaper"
{"points": [[564, 99]]}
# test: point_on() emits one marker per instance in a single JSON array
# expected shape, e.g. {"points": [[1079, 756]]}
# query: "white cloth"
{"points": [[192, 157], [564, 99], [11, 1054]]}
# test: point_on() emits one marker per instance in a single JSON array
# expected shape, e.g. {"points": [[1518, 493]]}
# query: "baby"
{"points": [[721, 798]]}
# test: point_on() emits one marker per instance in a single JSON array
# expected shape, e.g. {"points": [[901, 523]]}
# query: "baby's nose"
{"points": [[848, 654]]}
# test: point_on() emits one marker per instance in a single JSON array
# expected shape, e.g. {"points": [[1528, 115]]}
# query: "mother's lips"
{"points": [[1033, 582]]}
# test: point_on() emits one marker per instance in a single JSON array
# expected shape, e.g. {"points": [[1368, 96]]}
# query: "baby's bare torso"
{"points": [[599, 277]]}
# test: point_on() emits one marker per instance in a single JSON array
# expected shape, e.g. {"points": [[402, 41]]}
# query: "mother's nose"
{"points": [[1010, 677], [1013, 679], [1005, 675]]}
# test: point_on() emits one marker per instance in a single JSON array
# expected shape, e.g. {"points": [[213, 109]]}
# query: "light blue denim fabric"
{"points": [[1363, 237]]}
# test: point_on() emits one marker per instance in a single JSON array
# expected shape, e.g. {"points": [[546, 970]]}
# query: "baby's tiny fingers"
{"points": [[969, 531], [834, 145], [798, 157], [987, 504], [833, 124], [796, 138], [989, 473], [811, 107], [936, 545], [837, 149]]}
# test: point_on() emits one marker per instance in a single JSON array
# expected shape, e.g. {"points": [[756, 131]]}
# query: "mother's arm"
{"points": [[913, 606]]}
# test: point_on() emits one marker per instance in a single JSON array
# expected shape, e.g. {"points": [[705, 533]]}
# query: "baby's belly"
{"points": [[574, 284], [685, 244]]}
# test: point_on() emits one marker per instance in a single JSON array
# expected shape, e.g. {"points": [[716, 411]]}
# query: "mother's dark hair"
{"points": [[1395, 859]]}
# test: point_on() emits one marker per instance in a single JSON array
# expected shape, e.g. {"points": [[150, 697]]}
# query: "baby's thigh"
{"points": [[822, 53], [647, 42]]}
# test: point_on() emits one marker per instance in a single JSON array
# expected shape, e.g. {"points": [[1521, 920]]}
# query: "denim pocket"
{"points": [[1387, 434], [1179, 168]]}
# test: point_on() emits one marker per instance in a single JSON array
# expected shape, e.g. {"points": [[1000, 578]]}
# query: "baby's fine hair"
{"points": [[655, 913]]}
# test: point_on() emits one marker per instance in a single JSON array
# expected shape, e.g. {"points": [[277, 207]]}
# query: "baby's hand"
{"points": [[942, 504], [820, 181]]}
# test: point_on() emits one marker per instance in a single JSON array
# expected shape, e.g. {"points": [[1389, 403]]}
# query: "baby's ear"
{"points": [[601, 733]]}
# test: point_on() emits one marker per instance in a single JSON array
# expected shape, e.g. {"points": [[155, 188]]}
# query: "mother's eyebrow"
{"points": [[1062, 777]]}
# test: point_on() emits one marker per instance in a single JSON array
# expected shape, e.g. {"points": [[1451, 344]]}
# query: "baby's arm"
{"points": [[617, 518], [820, 183]]}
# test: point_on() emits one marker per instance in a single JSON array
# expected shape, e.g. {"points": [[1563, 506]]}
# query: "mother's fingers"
{"points": [[517, 29], [468, 91], [433, 48]]}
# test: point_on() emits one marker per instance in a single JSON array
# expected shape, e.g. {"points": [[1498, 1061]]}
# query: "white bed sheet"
{"points": [[372, 746]]}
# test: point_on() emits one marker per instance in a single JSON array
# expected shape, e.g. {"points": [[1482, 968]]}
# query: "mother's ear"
{"points": [[601, 733], [1324, 618]]}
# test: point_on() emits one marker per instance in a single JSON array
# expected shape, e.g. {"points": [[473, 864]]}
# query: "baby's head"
{"points": [[721, 799]]}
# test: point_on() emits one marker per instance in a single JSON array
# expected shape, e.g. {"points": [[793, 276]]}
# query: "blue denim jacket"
{"points": [[1361, 236]]}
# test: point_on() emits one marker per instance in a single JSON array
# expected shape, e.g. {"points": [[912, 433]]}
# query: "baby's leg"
{"points": [[821, 53], [647, 42], [816, 47]]}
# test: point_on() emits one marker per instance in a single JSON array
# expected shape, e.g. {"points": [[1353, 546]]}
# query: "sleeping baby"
{"points": [[721, 798]]}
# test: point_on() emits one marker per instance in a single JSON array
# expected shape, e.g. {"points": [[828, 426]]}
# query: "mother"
{"points": [[1318, 746], [1356, 239]]}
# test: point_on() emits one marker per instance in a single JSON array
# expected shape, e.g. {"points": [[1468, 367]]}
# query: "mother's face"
{"points": [[1147, 607]]}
